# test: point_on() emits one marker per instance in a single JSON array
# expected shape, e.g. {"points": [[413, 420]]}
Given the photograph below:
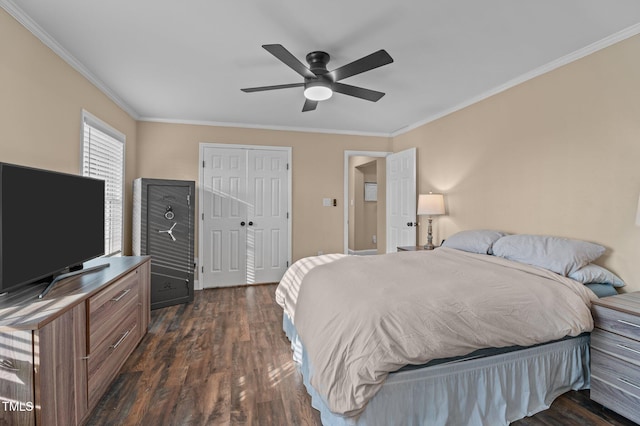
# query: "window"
{"points": [[103, 158]]}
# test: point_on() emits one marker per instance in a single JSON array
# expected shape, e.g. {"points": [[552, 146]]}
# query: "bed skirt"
{"points": [[493, 390]]}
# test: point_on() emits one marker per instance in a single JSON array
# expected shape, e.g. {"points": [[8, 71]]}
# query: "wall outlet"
{"points": [[327, 202], [375, 239]]}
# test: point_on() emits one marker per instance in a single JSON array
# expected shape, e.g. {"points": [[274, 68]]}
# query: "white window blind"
{"points": [[103, 158]]}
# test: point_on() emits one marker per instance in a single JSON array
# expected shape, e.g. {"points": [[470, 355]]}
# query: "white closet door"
{"points": [[245, 217], [267, 233], [224, 256], [401, 199]]}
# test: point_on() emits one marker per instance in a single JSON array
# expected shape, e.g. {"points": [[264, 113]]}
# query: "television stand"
{"points": [[61, 355], [71, 274]]}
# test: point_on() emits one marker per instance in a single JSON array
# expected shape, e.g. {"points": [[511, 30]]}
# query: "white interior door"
{"points": [[267, 238], [401, 199], [245, 210], [224, 233]]}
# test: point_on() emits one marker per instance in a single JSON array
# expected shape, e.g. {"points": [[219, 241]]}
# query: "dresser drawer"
{"points": [[109, 355], [618, 346], [615, 372], [617, 322], [106, 308], [615, 399]]}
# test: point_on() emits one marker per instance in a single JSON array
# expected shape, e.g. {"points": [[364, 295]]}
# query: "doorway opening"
{"points": [[365, 202]]}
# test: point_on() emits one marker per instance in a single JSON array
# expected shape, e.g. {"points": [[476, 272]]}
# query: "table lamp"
{"points": [[430, 205]]}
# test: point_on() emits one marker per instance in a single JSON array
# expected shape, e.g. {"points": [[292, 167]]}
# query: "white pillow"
{"points": [[560, 255], [596, 274], [474, 241]]}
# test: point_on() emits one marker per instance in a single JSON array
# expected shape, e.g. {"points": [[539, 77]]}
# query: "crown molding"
{"points": [[26, 21], [571, 57]]}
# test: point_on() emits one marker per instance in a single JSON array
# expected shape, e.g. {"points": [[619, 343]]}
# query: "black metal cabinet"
{"points": [[163, 228]]}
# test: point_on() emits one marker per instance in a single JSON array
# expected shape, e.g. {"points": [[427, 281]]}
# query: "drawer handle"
{"points": [[629, 383], [124, 336], [629, 323], [628, 348], [123, 294]]}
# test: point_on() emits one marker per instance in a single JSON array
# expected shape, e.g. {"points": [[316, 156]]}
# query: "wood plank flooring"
{"points": [[224, 360]]}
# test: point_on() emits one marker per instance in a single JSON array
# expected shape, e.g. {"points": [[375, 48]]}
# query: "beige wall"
{"points": [[170, 151], [41, 102], [381, 171], [557, 155]]}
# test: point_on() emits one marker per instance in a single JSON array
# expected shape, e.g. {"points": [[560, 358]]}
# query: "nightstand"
{"points": [[615, 354], [410, 248]]}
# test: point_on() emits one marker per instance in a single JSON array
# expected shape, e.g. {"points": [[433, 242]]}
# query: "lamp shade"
{"points": [[430, 204]]}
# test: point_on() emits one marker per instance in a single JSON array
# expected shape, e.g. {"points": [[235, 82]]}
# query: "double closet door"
{"points": [[245, 215]]}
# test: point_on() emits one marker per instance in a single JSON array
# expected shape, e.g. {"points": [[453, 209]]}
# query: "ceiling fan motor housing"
{"points": [[318, 62]]}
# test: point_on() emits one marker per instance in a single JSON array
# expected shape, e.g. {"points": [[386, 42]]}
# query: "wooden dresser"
{"points": [[59, 354], [615, 354]]}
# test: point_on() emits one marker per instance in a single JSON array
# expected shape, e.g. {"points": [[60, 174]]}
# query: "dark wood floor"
{"points": [[224, 359]]}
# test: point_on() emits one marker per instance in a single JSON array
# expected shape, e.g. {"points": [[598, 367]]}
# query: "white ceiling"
{"points": [[186, 61]]}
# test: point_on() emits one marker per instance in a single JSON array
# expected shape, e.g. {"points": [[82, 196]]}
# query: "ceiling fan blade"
{"points": [[358, 92], [375, 60], [309, 105], [279, 86], [287, 57]]}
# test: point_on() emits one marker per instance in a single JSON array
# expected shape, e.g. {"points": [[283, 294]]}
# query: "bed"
{"points": [[443, 337]]}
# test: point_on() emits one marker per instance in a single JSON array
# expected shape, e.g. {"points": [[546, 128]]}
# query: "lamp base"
{"points": [[429, 245]]}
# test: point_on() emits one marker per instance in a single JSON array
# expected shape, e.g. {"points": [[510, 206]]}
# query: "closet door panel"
{"points": [[267, 250], [225, 211]]}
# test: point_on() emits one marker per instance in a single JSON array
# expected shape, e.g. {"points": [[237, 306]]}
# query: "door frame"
{"points": [[347, 154], [203, 145]]}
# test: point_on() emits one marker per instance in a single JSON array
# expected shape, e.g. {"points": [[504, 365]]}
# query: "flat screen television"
{"points": [[50, 223]]}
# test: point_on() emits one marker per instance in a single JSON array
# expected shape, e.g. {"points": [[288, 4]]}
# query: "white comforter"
{"points": [[360, 318], [289, 287]]}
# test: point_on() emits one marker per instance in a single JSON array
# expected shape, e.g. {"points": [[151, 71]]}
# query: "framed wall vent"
{"points": [[370, 191]]}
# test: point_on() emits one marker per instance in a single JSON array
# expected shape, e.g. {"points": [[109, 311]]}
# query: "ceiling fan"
{"points": [[320, 83]]}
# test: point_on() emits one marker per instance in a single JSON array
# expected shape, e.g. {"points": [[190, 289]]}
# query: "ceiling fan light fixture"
{"points": [[320, 83], [317, 91]]}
